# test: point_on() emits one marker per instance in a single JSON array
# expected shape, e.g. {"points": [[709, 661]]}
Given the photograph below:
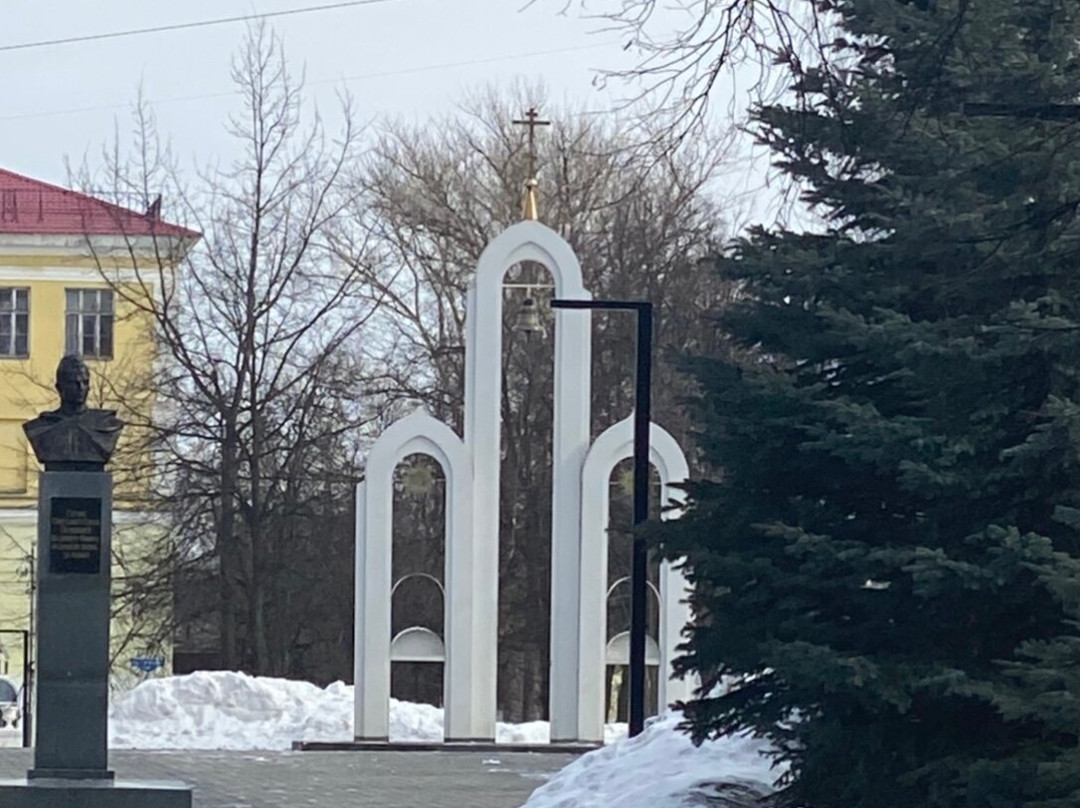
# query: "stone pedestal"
{"points": [[73, 593], [74, 531]]}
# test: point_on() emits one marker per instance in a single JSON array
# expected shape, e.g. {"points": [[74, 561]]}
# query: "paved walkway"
{"points": [[335, 779]]}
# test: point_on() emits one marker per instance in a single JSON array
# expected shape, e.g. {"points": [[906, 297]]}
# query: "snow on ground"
{"points": [[660, 768], [226, 710]]}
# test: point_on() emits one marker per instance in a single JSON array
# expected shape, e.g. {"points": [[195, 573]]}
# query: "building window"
{"points": [[89, 323], [14, 322]]}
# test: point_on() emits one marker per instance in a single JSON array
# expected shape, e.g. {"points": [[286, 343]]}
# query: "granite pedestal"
{"points": [[73, 592]]}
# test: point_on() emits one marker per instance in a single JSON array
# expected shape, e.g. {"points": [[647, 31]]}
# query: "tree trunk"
{"points": [[226, 553]]}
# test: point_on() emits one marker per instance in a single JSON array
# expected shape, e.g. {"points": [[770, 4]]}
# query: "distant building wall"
{"points": [[67, 263]]}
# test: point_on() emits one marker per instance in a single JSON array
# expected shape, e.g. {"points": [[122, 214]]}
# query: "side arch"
{"points": [[417, 433], [616, 443], [529, 241]]}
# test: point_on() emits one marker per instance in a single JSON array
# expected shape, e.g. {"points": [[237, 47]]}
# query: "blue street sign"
{"points": [[147, 664]]}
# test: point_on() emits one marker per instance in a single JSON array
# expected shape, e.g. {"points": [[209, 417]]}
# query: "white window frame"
{"points": [[12, 294], [93, 308]]}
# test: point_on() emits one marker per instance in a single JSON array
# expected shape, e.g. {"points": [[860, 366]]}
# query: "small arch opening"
{"points": [[526, 434], [620, 545], [417, 597]]}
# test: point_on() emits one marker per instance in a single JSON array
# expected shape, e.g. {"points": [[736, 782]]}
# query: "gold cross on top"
{"points": [[532, 121]]}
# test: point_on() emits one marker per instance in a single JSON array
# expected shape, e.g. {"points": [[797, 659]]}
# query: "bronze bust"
{"points": [[73, 437]]}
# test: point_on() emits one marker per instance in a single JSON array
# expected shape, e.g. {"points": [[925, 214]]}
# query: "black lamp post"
{"points": [[639, 565]]}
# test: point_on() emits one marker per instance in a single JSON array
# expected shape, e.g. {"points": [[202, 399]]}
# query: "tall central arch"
{"points": [[530, 241]]}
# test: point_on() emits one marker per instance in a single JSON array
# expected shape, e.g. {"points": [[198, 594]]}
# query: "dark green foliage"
{"points": [[893, 544]]}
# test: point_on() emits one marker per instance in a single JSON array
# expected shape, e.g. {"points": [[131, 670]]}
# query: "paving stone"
{"points": [[335, 779]]}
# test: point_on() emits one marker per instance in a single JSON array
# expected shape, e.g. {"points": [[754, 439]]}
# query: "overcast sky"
{"points": [[408, 57]]}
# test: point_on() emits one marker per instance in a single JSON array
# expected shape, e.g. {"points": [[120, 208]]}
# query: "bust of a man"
{"points": [[73, 437]]}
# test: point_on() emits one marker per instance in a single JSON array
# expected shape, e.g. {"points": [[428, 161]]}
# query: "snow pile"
{"points": [[660, 768], [529, 732], [227, 710]]}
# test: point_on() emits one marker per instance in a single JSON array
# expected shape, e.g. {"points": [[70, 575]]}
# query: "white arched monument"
{"points": [[472, 467], [418, 433], [616, 443]]}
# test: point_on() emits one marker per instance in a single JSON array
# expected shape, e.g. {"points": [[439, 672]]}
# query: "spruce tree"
{"points": [[889, 554]]}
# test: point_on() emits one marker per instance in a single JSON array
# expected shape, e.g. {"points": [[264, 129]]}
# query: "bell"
{"points": [[418, 480], [528, 318]]}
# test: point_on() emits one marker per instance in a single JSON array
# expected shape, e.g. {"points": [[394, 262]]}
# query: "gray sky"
{"points": [[399, 57], [410, 58]]}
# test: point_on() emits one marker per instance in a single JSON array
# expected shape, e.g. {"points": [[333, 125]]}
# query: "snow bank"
{"points": [[660, 768], [226, 710]]}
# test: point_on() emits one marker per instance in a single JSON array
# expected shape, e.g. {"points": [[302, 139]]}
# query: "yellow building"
{"points": [[70, 265]]}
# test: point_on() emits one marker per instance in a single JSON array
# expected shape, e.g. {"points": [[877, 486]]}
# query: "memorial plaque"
{"points": [[75, 535]]}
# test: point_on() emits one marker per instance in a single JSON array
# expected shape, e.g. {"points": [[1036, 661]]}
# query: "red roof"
{"points": [[32, 206]]}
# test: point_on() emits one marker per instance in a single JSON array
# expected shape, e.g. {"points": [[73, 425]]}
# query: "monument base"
{"points": [[62, 793]]}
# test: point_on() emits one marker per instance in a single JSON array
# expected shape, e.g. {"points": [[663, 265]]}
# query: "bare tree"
{"points": [[252, 441], [431, 197], [692, 51]]}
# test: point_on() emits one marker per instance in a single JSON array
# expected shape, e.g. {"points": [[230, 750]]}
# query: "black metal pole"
{"points": [[28, 689], [639, 568], [28, 667]]}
